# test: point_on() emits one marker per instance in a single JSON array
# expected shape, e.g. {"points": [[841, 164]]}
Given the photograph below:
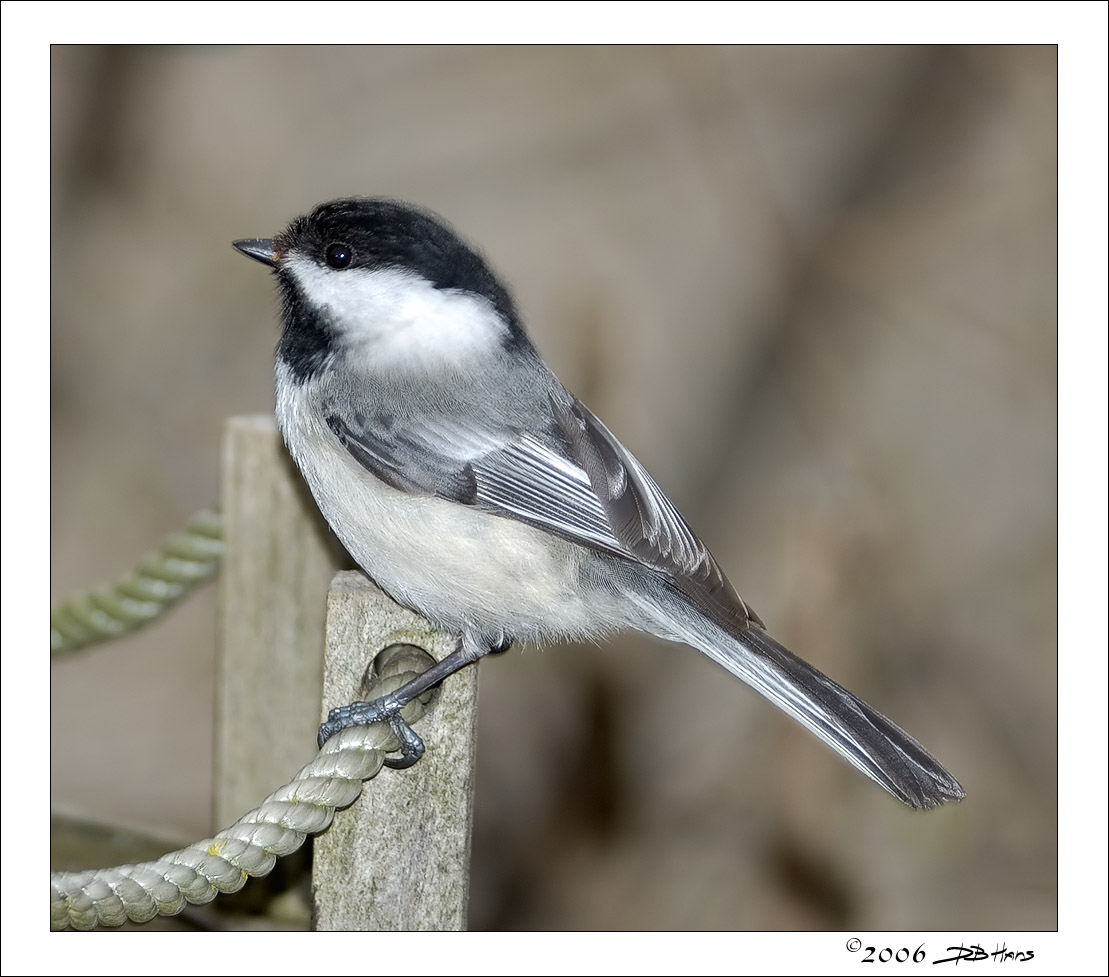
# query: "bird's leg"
{"points": [[386, 709]]}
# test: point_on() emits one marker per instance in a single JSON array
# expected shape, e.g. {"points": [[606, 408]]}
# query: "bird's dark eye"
{"points": [[339, 255]]}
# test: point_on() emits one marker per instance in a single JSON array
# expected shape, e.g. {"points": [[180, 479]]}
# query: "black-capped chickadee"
{"points": [[475, 489]]}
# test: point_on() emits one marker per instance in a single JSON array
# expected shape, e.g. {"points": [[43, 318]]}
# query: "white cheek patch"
{"points": [[392, 316]]}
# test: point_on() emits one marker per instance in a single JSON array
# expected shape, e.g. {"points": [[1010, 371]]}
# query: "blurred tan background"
{"points": [[812, 288]]}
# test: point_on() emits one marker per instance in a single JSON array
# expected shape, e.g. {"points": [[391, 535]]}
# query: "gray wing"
{"points": [[649, 527], [571, 477], [520, 475]]}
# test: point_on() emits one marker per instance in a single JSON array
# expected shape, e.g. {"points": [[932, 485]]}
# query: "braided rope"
{"points": [[184, 560], [251, 846]]}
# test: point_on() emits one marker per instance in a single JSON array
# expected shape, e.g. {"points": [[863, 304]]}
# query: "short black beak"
{"points": [[260, 249]]}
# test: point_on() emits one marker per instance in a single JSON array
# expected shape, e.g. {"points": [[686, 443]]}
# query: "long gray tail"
{"points": [[862, 735]]}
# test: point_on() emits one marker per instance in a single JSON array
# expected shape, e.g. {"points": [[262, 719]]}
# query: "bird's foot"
{"points": [[387, 708], [383, 710]]}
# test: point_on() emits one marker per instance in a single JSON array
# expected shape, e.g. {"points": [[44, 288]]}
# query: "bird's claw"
{"points": [[384, 710], [411, 745]]}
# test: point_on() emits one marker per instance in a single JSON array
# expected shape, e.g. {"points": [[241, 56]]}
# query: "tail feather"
{"points": [[863, 736]]}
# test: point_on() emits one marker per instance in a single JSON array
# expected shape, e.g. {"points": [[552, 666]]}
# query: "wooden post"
{"points": [[279, 558], [399, 857]]}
